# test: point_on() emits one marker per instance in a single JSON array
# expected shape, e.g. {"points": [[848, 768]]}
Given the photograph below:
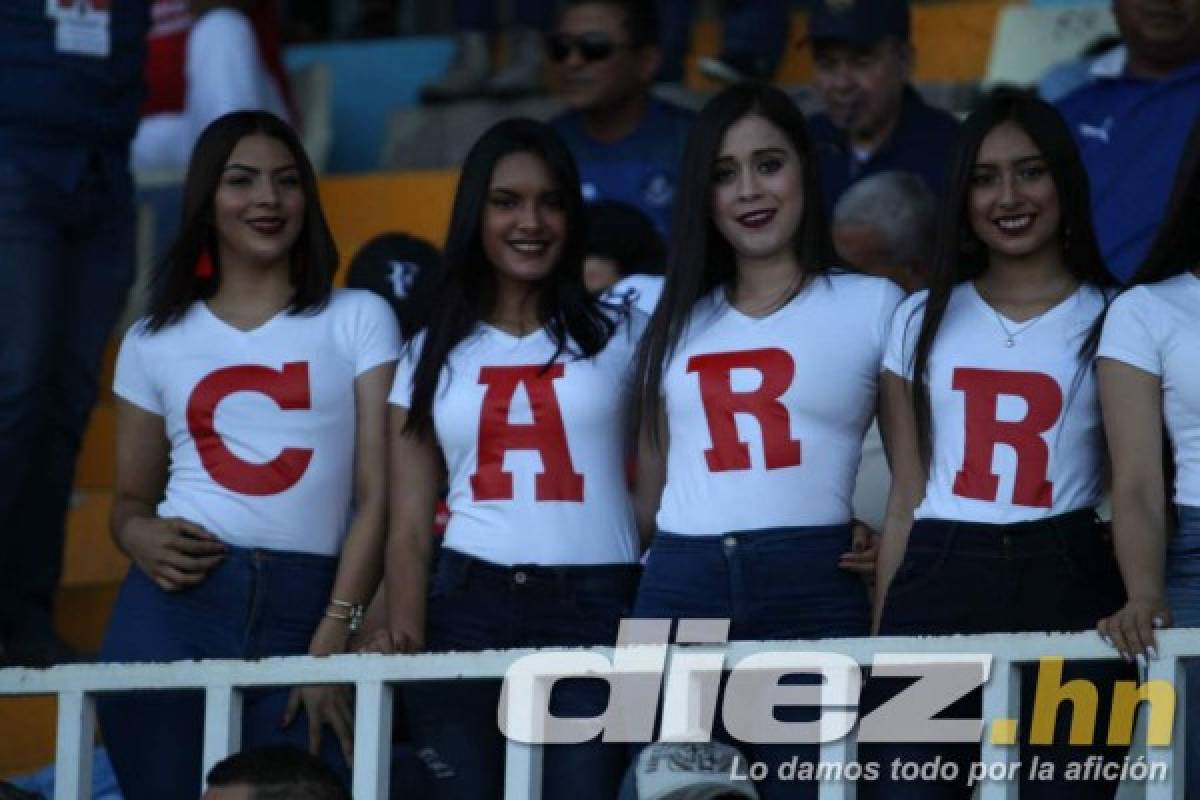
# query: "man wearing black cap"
{"points": [[874, 120]]}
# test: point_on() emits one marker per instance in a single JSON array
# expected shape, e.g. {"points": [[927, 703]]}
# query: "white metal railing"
{"points": [[373, 677]]}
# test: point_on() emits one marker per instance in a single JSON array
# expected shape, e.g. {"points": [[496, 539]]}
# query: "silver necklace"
{"points": [[1010, 336]]}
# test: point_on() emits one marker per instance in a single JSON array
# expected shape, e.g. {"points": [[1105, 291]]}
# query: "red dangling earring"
{"points": [[204, 264]]}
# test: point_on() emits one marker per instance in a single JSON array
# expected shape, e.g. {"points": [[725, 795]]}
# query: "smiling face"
{"points": [[524, 221], [258, 208], [758, 189], [1013, 203]]}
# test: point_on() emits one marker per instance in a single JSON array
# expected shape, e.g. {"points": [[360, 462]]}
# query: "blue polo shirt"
{"points": [[920, 144], [58, 111], [642, 169], [1131, 133]]}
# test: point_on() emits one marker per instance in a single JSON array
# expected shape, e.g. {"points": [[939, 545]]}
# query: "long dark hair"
{"points": [[960, 256], [700, 259], [1176, 248], [466, 290], [313, 259]]}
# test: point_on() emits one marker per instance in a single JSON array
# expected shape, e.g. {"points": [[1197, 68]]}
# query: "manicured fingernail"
{"points": [[1158, 622], [1106, 640], [1141, 660], [1153, 653]]}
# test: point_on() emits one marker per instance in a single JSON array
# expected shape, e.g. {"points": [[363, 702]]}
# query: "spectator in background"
{"points": [[470, 73], [273, 773], [874, 120], [1065, 77], [69, 98], [401, 269], [884, 225], [753, 38], [625, 256], [205, 59], [1131, 119], [627, 143]]}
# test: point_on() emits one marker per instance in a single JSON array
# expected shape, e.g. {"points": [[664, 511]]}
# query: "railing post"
{"points": [[222, 724], [843, 751], [1174, 757], [73, 750], [1001, 706], [522, 771], [372, 740]]}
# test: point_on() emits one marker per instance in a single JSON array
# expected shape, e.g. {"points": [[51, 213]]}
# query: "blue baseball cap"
{"points": [[859, 23]]}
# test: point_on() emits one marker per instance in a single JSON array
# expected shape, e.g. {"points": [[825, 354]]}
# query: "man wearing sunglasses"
{"points": [[628, 144]]}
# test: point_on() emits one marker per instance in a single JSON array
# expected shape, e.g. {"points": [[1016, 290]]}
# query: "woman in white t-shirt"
{"points": [[758, 380], [251, 419], [516, 392], [993, 421], [1149, 374]]}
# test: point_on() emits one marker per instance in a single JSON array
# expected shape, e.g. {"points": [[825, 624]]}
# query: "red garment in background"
{"points": [[166, 53]]}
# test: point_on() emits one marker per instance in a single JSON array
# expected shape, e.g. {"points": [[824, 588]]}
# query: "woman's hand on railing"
{"points": [[173, 552], [389, 643], [324, 705], [1131, 630]]}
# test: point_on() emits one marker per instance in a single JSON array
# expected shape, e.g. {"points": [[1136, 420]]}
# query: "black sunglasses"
{"points": [[591, 46]]}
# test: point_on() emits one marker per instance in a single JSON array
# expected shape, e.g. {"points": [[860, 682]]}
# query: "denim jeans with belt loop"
{"points": [[1056, 574], [773, 584], [477, 605], [253, 604], [1183, 595]]}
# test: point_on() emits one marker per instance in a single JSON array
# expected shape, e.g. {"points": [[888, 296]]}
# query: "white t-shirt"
{"points": [[1029, 412], [640, 291], [225, 72], [766, 416], [261, 423], [536, 457], [1156, 328]]}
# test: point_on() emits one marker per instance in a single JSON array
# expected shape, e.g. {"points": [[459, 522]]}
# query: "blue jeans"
{"points": [[748, 27], [476, 605], [66, 264], [1057, 574], [254, 604], [1183, 594], [480, 15], [771, 584]]}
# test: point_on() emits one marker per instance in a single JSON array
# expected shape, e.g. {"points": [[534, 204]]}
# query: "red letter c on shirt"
{"points": [[288, 388]]}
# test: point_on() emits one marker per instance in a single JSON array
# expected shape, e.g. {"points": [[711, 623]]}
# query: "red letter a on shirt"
{"points": [[1043, 398], [288, 388], [558, 479], [721, 403]]}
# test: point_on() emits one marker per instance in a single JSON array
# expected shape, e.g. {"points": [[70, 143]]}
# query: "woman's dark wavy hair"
{"points": [[960, 256], [1176, 247], [466, 291], [700, 259], [314, 256]]}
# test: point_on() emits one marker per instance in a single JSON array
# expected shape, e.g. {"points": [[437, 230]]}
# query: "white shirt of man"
{"points": [[1017, 434], [1156, 328], [261, 423], [535, 454], [766, 416]]}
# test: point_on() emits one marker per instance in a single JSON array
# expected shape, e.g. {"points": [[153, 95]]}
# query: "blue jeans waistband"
{"points": [[1015, 538], [234, 553], [461, 568]]}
